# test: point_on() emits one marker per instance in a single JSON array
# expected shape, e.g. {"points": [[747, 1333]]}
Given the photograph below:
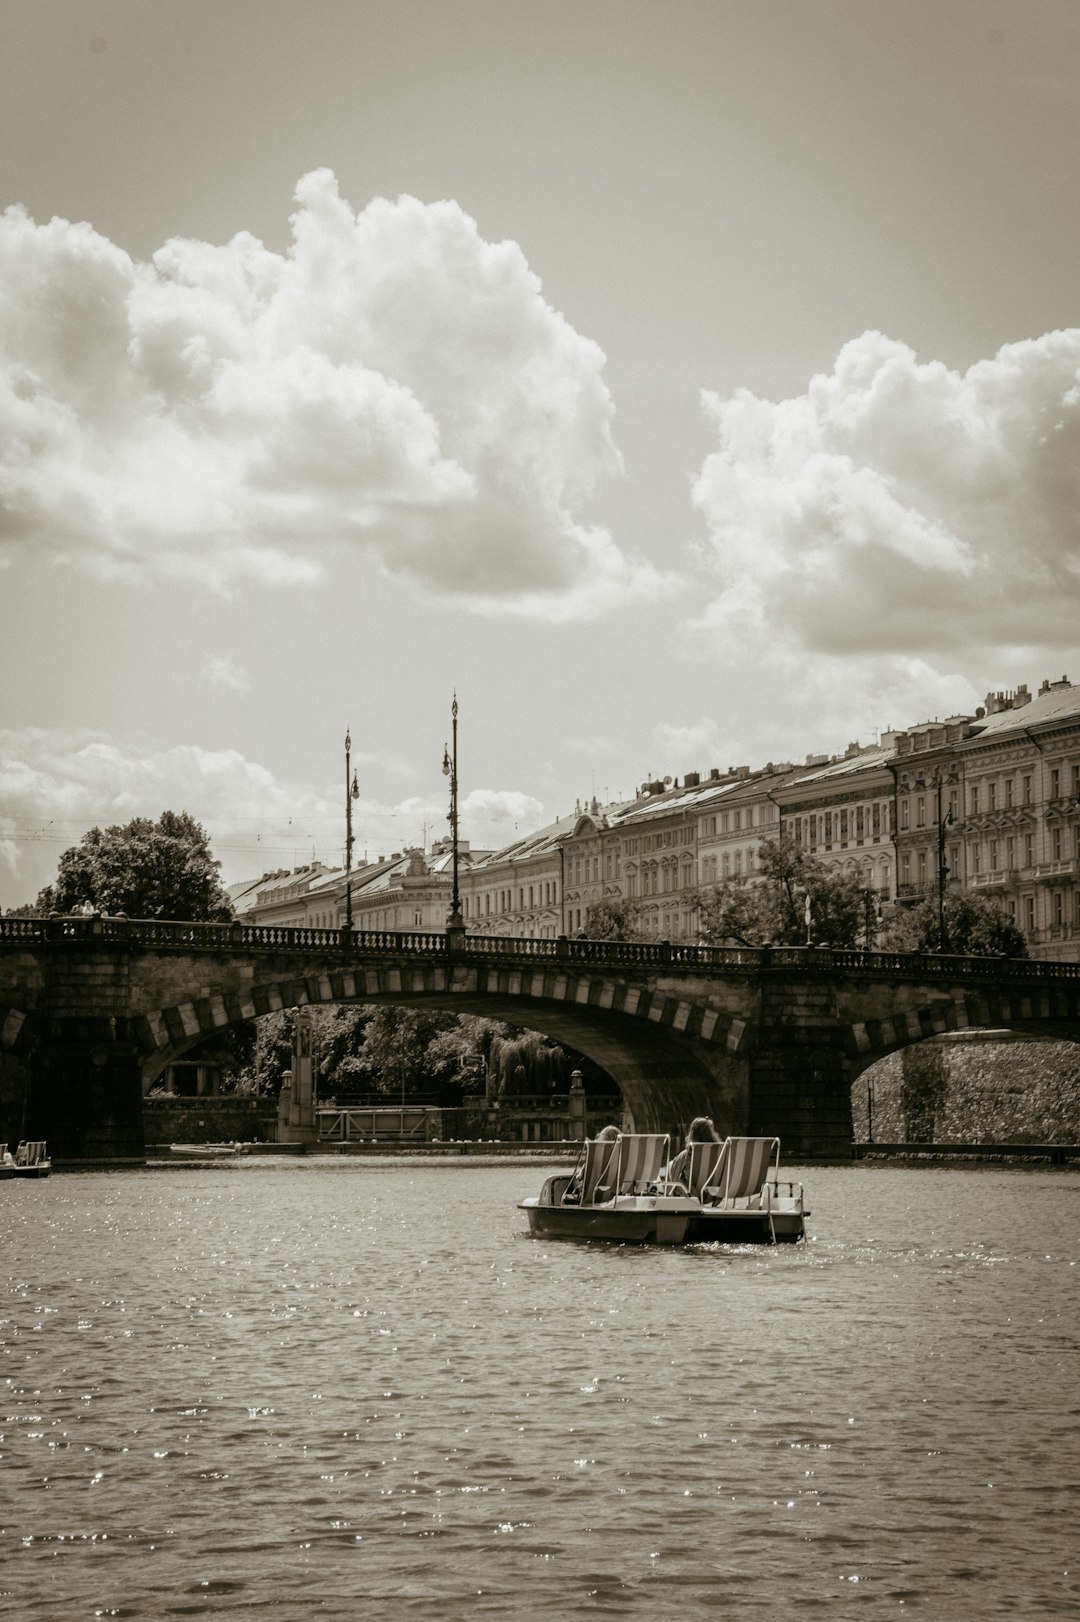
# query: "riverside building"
{"points": [[988, 803]]}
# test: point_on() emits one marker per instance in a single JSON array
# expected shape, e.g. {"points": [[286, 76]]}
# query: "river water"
{"points": [[360, 1389]]}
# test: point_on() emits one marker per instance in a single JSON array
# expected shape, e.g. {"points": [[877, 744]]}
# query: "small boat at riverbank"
{"points": [[30, 1160], [629, 1191], [207, 1151]]}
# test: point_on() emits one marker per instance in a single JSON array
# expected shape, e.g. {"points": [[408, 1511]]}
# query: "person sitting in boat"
{"points": [[700, 1130], [572, 1195]]}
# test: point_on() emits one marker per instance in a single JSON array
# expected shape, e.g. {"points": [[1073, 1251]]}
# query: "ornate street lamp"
{"points": [[449, 766], [942, 866], [352, 792]]}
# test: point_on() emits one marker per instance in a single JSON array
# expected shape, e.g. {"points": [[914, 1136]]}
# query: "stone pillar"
{"points": [[577, 1107], [284, 1109], [799, 1087], [303, 1077], [86, 1093]]}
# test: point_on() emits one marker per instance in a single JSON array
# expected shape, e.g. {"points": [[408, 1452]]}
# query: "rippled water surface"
{"points": [[346, 1389]]}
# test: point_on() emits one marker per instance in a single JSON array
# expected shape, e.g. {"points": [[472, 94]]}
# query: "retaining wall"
{"points": [[971, 1089]]}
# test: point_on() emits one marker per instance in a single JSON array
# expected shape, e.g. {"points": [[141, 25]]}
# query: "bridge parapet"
{"points": [[158, 935]]}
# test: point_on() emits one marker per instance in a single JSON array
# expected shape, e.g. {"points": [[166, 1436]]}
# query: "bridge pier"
{"points": [[799, 1085], [801, 1095], [85, 1093]]}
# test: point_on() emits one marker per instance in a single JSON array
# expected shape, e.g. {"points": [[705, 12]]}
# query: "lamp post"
{"points": [[455, 920], [352, 792], [942, 866]]}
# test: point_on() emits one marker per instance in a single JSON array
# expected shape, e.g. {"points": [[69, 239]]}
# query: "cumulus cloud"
{"points": [[919, 521], [392, 382], [57, 783], [496, 817]]}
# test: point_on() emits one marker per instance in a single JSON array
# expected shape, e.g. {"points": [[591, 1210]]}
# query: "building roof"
{"points": [[1058, 704]]}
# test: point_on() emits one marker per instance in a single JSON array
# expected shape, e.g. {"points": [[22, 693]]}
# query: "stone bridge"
{"points": [[767, 1040]]}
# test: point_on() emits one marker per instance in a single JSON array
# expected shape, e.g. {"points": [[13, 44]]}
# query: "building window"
{"points": [[727, 865], [1010, 853], [813, 830], [1029, 914], [905, 868], [922, 870], [1008, 792], [1029, 850], [993, 855], [843, 825], [1055, 843], [828, 827], [738, 863], [1027, 792], [904, 814], [875, 824], [920, 811], [991, 796], [1055, 783], [1059, 908], [975, 800]]}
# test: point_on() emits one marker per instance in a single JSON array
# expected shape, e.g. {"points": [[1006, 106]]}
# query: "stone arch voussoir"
{"points": [[163, 1034], [1033, 1011]]}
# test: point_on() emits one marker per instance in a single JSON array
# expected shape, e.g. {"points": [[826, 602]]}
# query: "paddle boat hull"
{"points": [[627, 1219]]}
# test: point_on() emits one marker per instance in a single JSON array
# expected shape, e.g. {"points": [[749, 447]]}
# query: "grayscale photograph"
{"points": [[539, 810]]}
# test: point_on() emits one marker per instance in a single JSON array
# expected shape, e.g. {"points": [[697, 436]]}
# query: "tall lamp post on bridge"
{"points": [[352, 792], [455, 920], [943, 822]]}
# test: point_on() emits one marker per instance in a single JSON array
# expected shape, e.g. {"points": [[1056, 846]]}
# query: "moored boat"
{"points": [[207, 1151], [31, 1160], [623, 1190]]}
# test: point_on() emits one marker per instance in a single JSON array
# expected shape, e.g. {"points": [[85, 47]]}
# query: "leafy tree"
{"points": [[393, 1058], [975, 926], [614, 920], [770, 908], [146, 869], [524, 1062]]}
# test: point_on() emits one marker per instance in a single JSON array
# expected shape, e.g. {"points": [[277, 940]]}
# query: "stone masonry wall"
{"points": [[209, 1120], [972, 1089]]}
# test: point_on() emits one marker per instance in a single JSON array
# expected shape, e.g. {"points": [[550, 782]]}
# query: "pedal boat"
{"points": [[30, 1160], [629, 1191]]}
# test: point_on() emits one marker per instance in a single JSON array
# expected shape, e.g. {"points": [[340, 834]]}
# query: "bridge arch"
{"points": [[671, 1058]]}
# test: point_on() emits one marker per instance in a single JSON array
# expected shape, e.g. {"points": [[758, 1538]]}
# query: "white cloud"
{"points": [[496, 817], [55, 784], [392, 382], [901, 535], [222, 670]]}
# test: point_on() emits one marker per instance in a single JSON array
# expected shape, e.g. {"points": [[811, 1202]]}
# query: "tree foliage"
{"points": [[146, 869], [614, 920], [770, 908], [975, 926]]}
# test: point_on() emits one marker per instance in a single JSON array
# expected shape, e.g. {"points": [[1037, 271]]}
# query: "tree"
{"points": [[146, 869], [614, 920], [770, 909], [393, 1057], [975, 926]]}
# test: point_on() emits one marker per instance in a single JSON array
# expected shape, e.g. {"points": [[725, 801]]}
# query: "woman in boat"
{"points": [[572, 1194], [700, 1130]]}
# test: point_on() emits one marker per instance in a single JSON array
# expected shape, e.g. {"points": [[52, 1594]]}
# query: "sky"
{"points": [[681, 385]]}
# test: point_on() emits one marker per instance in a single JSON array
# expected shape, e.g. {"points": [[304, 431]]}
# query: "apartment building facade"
{"points": [[988, 803]]}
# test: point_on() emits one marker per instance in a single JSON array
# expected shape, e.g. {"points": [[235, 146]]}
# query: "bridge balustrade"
{"points": [[164, 934]]}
